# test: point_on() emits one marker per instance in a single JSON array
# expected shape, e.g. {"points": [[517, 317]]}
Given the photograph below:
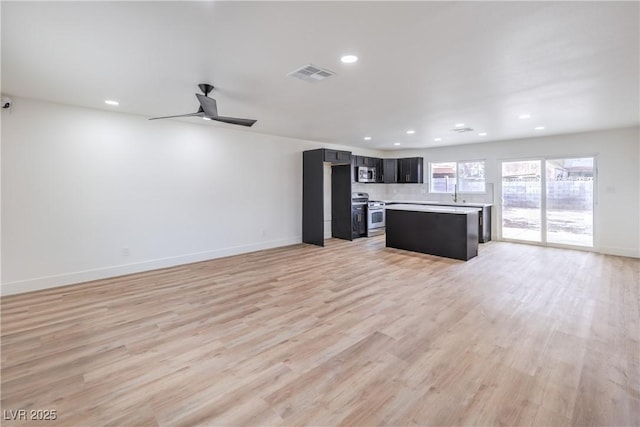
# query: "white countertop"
{"points": [[427, 208], [427, 202]]}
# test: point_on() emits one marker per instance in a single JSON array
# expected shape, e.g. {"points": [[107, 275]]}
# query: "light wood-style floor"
{"points": [[350, 334]]}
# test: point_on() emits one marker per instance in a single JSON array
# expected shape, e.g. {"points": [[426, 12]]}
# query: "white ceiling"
{"points": [[423, 65]]}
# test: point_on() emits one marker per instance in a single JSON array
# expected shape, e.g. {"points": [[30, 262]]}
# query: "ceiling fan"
{"points": [[209, 109]]}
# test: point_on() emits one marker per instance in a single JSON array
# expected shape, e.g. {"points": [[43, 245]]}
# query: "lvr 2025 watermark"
{"points": [[30, 414]]}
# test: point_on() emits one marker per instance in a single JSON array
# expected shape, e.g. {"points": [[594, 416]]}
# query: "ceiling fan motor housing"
{"points": [[205, 88]]}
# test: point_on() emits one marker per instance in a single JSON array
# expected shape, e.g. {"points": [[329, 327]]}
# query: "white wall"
{"points": [[617, 210], [88, 194]]}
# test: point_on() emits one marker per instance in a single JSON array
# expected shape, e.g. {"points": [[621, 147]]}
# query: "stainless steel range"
{"points": [[376, 218]]}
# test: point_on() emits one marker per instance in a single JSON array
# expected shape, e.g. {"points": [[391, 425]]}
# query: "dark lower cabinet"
{"points": [[484, 222], [358, 221], [435, 233], [484, 218]]}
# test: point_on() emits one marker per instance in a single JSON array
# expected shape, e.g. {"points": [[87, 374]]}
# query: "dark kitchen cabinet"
{"points": [[484, 222], [358, 221], [313, 194], [435, 233], [484, 217], [336, 156], [410, 170], [389, 171], [341, 201], [379, 170], [370, 162]]}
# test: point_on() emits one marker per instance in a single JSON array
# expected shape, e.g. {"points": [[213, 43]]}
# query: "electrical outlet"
{"points": [[126, 252]]}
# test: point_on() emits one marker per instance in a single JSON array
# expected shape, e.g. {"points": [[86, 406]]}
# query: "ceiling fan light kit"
{"points": [[209, 109]]}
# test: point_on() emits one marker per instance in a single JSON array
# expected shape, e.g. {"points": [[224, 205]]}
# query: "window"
{"points": [[468, 176]]}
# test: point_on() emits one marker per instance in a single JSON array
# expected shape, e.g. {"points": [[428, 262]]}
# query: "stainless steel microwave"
{"points": [[366, 174]]}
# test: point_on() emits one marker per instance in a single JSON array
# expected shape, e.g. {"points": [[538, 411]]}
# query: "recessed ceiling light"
{"points": [[349, 59], [539, 128], [524, 116], [411, 132], [111, 102], [459, 125], [482, 134], [438, 139], [396, 143], [206, 118], [367, 138]]}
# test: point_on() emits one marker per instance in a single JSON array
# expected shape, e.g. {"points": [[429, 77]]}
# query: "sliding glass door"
{"points": [[569, 194], [548, 201], [522, 200]]}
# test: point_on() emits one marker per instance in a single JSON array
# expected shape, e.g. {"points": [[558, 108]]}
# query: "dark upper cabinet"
{"points": [[410, 170], [335, 156], [379, 168], [389, 171], [370, 162]]}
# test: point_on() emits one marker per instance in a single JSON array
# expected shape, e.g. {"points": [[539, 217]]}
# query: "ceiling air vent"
{"points": [[462, 130], [311, 73]]}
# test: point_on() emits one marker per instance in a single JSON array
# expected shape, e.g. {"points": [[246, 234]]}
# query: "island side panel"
{"points": [[442, 234], [473, 234], [486, 225]]}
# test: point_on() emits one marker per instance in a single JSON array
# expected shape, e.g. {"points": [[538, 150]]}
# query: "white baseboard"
{"points": [[620, 252], [47, 282], [630, 253]]}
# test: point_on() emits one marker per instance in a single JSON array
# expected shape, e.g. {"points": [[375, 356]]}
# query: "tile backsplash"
{"points": [[375, 191], [402, 192]]}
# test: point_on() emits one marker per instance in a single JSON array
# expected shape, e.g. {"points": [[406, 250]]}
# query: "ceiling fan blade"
{"points": [[198, 114], [208, 105], [234, 121], [209, 110]]}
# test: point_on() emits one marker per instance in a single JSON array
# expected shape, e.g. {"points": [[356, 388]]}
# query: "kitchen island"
{"points": [[484, 215], [446, 231]]}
